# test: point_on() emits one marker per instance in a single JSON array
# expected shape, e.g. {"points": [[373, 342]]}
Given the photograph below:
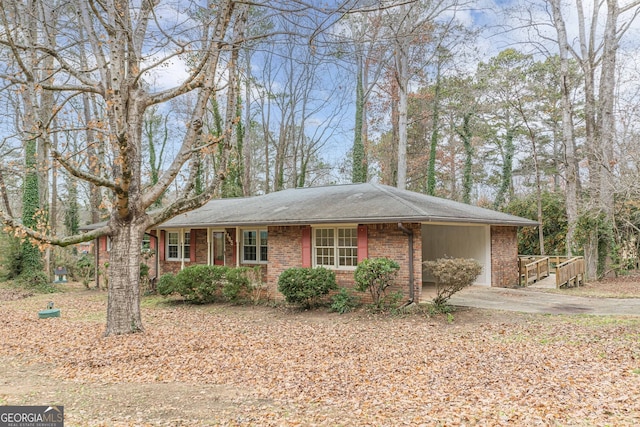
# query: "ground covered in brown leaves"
{"points": [[225, 365]]}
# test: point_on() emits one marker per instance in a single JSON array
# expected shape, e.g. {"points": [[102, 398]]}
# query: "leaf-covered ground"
{"points": [[224, 365]]}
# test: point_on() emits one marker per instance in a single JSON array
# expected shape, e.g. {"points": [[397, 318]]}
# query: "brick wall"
{"points": [[384, 241], [504, 256], [104, 256], [198, 246], [201, 250], [388, 241], [284, 251]]}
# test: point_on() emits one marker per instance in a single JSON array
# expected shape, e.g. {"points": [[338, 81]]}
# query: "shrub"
{"points": [[201, 284], [36, 280], [257, 290], [343, 301], [376, 275], [305, 286], [452, 275], [236, 283], [167, 284], [10, 257], [85, 269]]}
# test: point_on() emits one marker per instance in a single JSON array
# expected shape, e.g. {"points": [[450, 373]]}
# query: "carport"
{"points": [[458, 241]]}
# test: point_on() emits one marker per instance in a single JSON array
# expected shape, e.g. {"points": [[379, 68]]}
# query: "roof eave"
{"points": [[353, 220]]}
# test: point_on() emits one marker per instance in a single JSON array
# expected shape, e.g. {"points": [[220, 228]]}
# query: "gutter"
{"points": [[409, 233], [96, 250]]}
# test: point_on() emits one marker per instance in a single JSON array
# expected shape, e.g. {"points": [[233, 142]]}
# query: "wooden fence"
{"points": [[533, 269], [570, 272]]}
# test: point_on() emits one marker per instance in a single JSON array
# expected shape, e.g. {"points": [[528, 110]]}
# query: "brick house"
{"points": [[336, 227]]}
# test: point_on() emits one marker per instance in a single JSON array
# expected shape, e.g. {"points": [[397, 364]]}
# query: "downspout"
{"points": [[97, 262], [157, 254], [409, 233]]}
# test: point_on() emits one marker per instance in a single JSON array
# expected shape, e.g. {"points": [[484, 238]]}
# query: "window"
{"points": [[336, 247], [263, 245], [174, 250], [254, 246], [146, 242]]}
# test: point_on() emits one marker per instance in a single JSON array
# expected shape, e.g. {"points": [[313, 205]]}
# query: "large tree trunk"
{"points": [[123, 307], [402, 121], [433, 149], [359, 167], [571, 166], [467, 177]]}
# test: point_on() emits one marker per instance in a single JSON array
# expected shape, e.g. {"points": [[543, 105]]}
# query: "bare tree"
{"points": [[116, 35], [596, 52], [411, 28], [125, 43]]}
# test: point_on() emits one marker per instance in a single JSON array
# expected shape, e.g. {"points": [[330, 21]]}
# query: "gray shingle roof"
{"points": [[352, 203]]}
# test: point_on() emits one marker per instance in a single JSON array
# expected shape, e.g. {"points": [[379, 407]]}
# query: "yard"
{"points": [[227, 365]]}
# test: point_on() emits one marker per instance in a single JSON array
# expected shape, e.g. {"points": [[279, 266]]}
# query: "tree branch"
{"points": [[20, 230], [93, 179]]}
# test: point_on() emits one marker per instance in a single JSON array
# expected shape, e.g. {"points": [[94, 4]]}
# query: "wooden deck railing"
{"points": [[570, 272], [533, 269]]}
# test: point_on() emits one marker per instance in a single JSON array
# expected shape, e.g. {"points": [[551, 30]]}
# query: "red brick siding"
{"points": [[285, 251], [198, 242], [388, 241], [230, 245], [384, 241], [504, 256], [201, 250], [104, 256]]}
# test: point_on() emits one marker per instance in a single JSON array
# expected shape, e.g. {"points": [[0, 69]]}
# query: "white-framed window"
{"points": [[335, 247], [175, 250], [254, 246], [146, 242]]}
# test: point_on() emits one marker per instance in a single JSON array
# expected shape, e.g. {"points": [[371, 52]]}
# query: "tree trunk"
{"points": [[570, 162], [247, 142], [467, 176], [359, 167], [508, 151], [401, 59], [123, 306], [431, 169]]}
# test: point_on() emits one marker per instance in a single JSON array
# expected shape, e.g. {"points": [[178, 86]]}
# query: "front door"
{"points": [[217, 247]]}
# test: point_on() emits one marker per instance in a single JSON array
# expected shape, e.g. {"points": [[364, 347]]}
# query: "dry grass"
{"points": [[225, 365]]}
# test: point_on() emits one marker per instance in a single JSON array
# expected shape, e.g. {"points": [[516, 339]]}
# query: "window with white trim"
{"points": [[146, 242], [336, 247], [254, 246], [176, 251]]}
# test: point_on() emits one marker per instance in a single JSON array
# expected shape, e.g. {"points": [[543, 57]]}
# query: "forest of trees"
{"points": [[132, 112]]}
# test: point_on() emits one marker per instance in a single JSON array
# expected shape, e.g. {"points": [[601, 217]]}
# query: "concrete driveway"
{"points": [[528, 301]]}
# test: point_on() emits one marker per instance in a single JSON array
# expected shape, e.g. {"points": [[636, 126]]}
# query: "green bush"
{"points": [[36, 280], [375, 275], [237, 283], [452, 275], [167, 284], [84, 269], [10, 257], [202, 284], [305, 286], [343, 301], [554, 218]]}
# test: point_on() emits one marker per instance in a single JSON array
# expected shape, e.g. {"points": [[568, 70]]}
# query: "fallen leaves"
{"points": [[325, 369]]}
